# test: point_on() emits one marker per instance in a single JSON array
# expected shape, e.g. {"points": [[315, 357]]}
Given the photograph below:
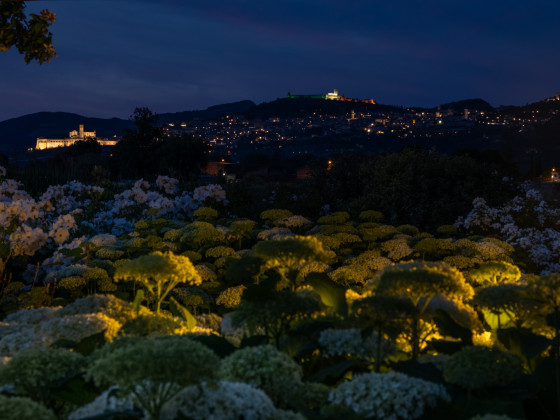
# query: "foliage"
{"points": [[152, 369], [479, 367], [154, 325], [22, 408], [231, 297], [494, 273], [272, 215], [506, 304], [420, 283], [286, 255], [264, 367], [370, 215], [38, 373], [31, 36], [159, 273], [275, 312], [422, 280], [336, 218]]}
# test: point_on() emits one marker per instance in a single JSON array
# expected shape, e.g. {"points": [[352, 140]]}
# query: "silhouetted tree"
{"points": [[133, 156], [30, 36], [182, 155]]}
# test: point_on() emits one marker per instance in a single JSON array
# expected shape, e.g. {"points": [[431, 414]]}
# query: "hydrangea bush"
{"points": [[388, 396]]}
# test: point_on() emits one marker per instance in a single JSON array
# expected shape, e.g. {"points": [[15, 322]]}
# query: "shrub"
{"points": [[153, 370], [264, 367], [21, 408], [478, 367], [37, 373]]}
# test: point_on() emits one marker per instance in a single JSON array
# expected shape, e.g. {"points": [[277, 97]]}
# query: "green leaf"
{"points": [[4, 250], [446, 346], [89, 344], [447, 326], [553, 320], [218, 345], [523, 342], [254, 341], [426, 371], [76, 253], [332, 374], [331, 293], [76, 391], [497, 321], [179, 310], [138, 300]]}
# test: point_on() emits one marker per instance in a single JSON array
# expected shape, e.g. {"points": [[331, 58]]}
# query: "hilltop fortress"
{"points": [[73, 137], [331, 96]]}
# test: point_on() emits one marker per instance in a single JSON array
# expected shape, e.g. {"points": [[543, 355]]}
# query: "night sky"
{"points": [[175, 56]]}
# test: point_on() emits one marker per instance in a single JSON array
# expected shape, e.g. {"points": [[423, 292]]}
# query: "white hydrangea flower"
{"points": [[350, 342], [388, 396], [167, 184], [26, 240], [227, 401], [108, 401]]}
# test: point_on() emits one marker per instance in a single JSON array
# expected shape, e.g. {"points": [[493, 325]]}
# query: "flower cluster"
{"points": [[38, 328], [26, 240], [210, 192], [526, 221], [169, 185], [264, 367], [396, 249], [388, 396], [61, 228], [351, 342], [107, 401], [226, 401]]}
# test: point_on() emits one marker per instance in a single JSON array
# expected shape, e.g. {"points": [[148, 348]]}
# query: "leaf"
{"points": [[447, 326], [89, 344], [426, 371], [497, 321], [4, 250], [331, 293], [76, 253], [332, 373], [179, 310], [446, 346], [64, 343], [76, 391], [523, 342], [217, 344], [254, 341], [138, 300], [553, 320]]}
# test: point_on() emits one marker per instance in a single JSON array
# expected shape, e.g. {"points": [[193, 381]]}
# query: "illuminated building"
{"points": [[333, 96], [73, 137]]}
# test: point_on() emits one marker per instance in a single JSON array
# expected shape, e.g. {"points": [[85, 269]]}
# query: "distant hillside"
{"points": [[287, 107], [471, 104], [215, 111], [22, 132]]}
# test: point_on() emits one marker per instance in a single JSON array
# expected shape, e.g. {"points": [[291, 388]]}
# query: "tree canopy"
{"points": [[30, 35]]}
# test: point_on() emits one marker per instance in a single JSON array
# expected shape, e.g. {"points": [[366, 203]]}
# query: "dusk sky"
{"points": [[171, 56]]}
